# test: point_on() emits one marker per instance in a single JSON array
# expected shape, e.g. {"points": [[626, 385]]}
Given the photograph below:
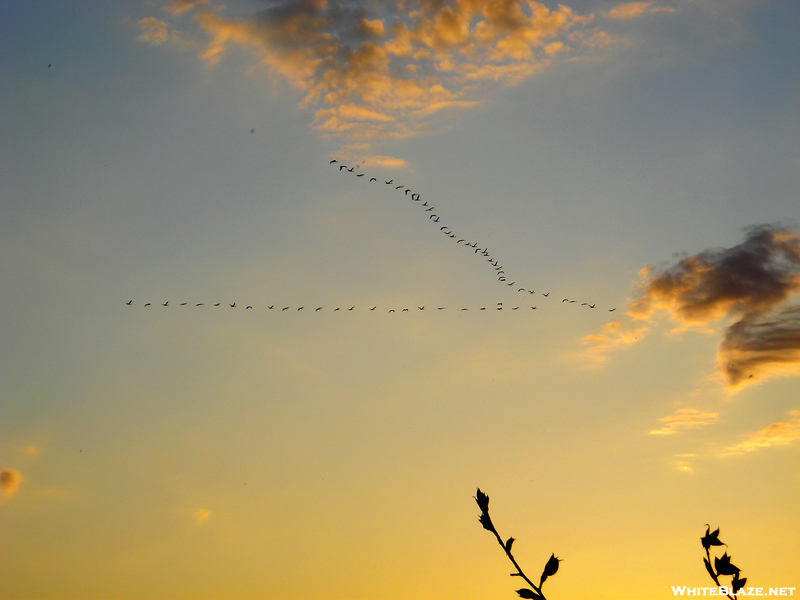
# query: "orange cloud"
{"points": [[366, 81], [633, 10], [9, 481], [755, 282], [782, 433], [201, 516], [685, 418]]}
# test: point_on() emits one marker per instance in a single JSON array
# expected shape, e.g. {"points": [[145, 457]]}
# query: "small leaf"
{"points": [[483, 501], [508, 544], [551, 568], [724, 566], [711, 538], [737, 584], [526, 593]]}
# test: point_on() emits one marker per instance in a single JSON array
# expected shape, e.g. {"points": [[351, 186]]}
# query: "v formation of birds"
{"points": [[479, 250]]}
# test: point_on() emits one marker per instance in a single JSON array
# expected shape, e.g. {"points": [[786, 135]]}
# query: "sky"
{"points": [[284, 283]]}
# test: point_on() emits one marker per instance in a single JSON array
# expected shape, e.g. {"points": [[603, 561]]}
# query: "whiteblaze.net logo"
{"points": [[682, 590]]}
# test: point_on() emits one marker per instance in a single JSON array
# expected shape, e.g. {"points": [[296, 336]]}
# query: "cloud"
{"points": [[201, 516], [377, 71], [9, 481], [756, 283], [782, 433], [685, 418], [633, 10], [156, 32]]}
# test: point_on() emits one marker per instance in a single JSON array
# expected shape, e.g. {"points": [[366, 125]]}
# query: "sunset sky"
{"points": [[628, 169]]}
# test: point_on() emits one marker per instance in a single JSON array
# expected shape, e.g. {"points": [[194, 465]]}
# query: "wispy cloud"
{"points": [[9, 481], [755, 282], [201, 516], [685, 418], [373, 71], [634, 10], [782, 433]]}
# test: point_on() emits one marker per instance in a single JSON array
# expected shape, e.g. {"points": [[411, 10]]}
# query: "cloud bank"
{"points": [[782, 433], [384, 69], [755, 283]]}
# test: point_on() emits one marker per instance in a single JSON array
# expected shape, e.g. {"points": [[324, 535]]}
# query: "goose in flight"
{"points": [[360, 175], [389, 182], [342, 167], [612, 309], [546, 295], [373, 179], [407, 190], [284, 308], [246, 307], [373, 308], [333, 161], [183, 303], [317, 309], [218, 303], [200, 304], [233, 305], [399, 187], [335, 309], [351, 308], [166, 303], [351, 169], [147, 304], [129, 302], [301, 308]]}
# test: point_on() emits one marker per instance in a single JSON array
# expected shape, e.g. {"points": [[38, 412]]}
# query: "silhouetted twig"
{"points": [[722, 565], [549, 569]]}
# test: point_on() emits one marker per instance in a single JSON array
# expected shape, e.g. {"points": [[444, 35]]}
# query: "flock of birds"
{"points": [[278, 308], [435, 219]]}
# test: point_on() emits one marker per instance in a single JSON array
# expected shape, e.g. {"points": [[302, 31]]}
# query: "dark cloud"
{"points": [[756, 283]]}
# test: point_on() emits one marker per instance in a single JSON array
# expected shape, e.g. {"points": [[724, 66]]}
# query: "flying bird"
{"points": [[284, 308], [407, 190], [301, 308], [389, 182], [335, 309], [399, 186], [373, 179], [351, 169], [166, 303], [233, 305], [246, 307], [129, 302], [200, 304], [612, 309], [342, 167], [373, 308], [147, 304], [316, 309], [183, 303], [333, 161], [218, 303], [360, 175]]}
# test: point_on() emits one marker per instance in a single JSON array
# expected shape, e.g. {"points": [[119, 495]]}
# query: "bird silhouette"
{"points": [[399, 186], [407, 190], [284, 308], [373, 308], [612, 309], [351, 169], [546, 295], [129, 302], [335, 309], [200, 304], [183, 303], [421, 307], [316, 309], [373, 179], [246, 307], [389, 182], [333, 161], [342, 167], [218, 303], [252, 131], [148, 304], [360, 175], [271, 306], [301, 308], [233, 305], [351, 308], [166, 303]]}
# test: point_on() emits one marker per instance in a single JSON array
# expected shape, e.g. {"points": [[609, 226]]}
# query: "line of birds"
{"points": [[278, 308], [436, 219]]}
